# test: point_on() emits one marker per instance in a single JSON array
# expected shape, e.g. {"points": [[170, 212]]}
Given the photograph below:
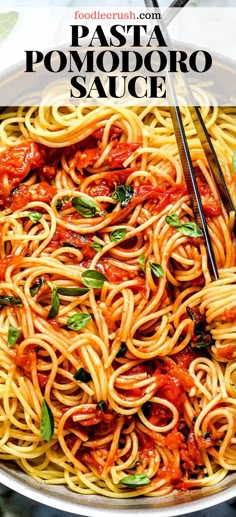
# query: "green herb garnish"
{"points": [[7, 22], [59, 205], [123, 195], [118, 235], [14, 191], [46, 422], [82, 375], [136, 480], [234, 162], [173, 220], [78, 321], [55, 302], [69, 245], [122, 350], [141, 261], [36, 286], [96, 246], [102, 406], [157, 269], [206, 435], [189, 229], [9, 300], [85, 207], [72, 291], [34, 216], [204, 340], [12, 336], [93, 279]]}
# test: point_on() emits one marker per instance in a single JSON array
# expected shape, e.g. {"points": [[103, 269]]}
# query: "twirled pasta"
{"points": [[155, 401]]}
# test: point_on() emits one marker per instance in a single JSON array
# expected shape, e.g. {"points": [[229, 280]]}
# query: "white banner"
{"points": [[119, 56]]}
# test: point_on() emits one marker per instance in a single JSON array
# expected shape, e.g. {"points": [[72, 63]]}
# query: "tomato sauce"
{"points": [[227, 352], [17, 162], [190, 453], [211, 205], [21, 197], [230, 313], [115, 158], [145, 442], [101, 189], [159, 195], [170, 472], [42, 379], [6, 262], [100, 416], [92, 140], [45, 192], [175, 384], [26, 361], [174, 439], [25, 194], [87, 457], [82, 242], [157, 414], [114, 132], [186, 356], [113, 273]]}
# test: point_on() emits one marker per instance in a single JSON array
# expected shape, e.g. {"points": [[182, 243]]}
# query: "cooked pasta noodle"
{"points": [[117, 350]]}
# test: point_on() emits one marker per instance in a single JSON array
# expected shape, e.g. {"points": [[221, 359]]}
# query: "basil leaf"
{"points": [[102, 406], [12, 336], [14, 191], [96, 246], [78, 321], [206, 435], [72, 291], [36, 286], [204, 341], [46, 422], [34, 216], [122, 350], [55, 302], [69, 245], [191, 314], [7, 22], [136, 480], [234, 162], [173, 220], [157, 269], [123, 195], [37, 348], [93, 279], [82, 375], [190, 229], [118, 235], [58, 205], [141, 262], [9, 300], [85, 207]]}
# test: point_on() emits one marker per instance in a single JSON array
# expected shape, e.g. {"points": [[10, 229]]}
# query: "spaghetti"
{"points": [[117, 352]]}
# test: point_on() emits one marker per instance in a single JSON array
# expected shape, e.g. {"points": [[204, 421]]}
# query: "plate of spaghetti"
{"points": [[118, 372]]}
